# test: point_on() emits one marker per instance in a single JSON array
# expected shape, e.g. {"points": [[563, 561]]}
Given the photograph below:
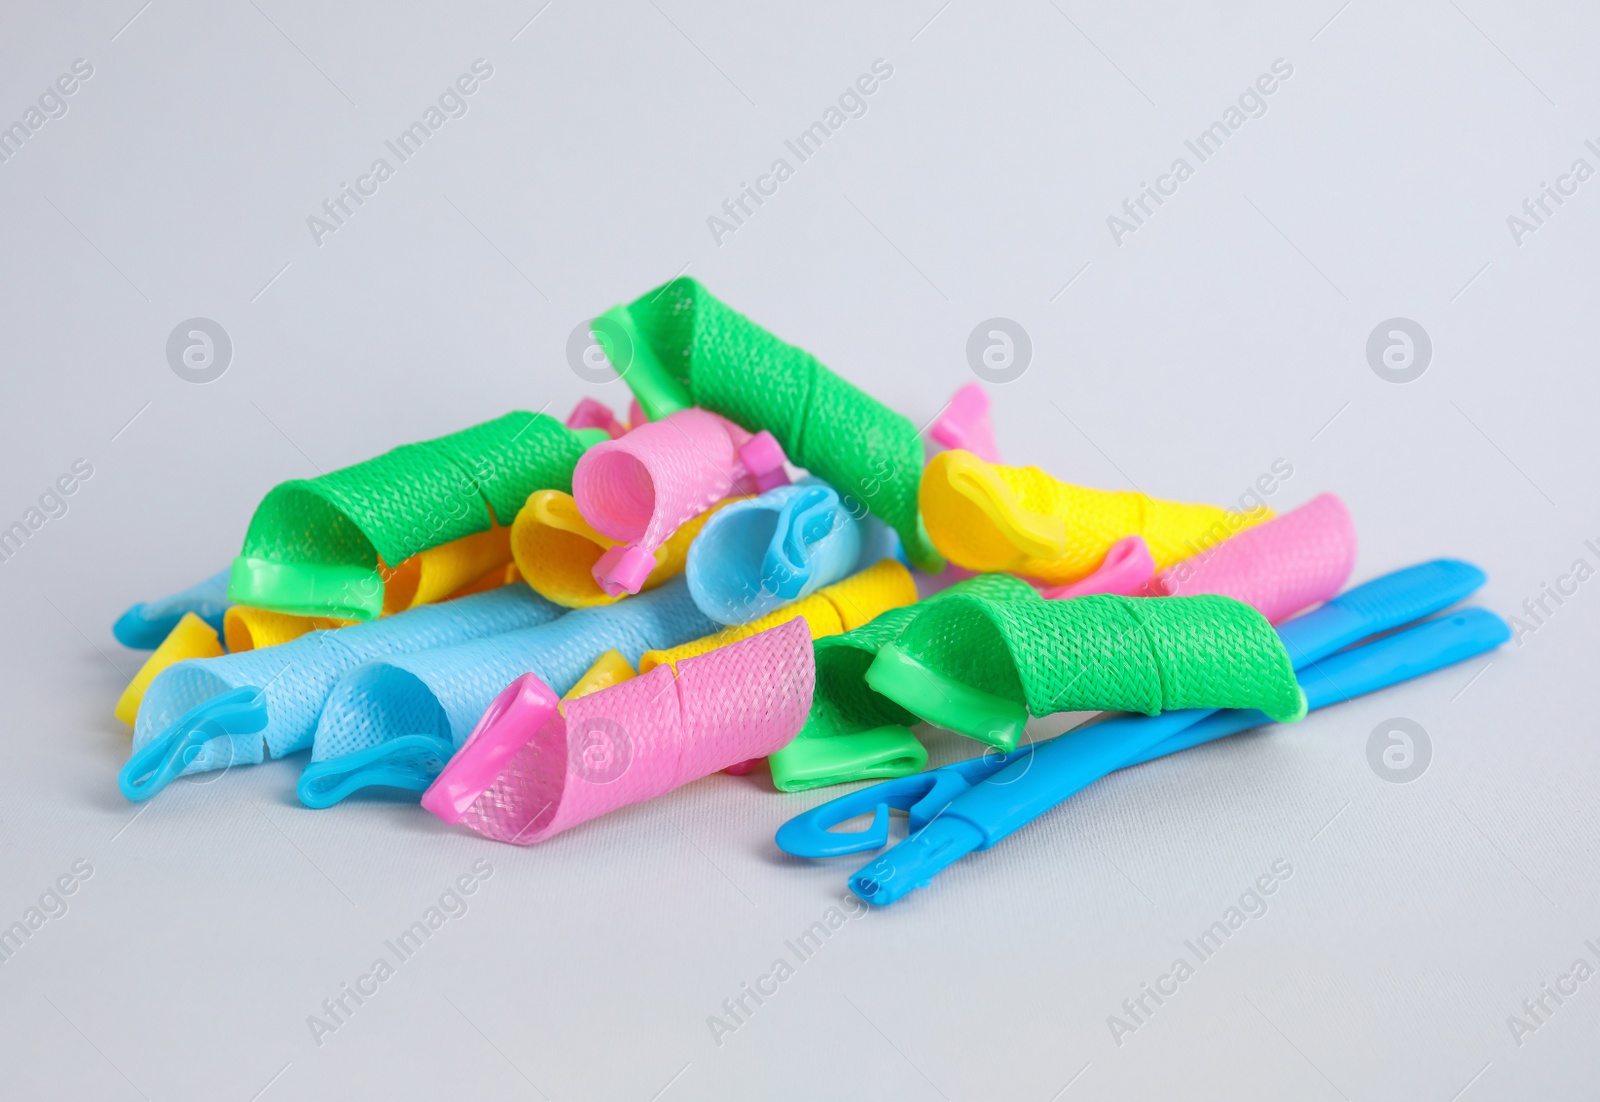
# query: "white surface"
{"points": [[1228, 332]]}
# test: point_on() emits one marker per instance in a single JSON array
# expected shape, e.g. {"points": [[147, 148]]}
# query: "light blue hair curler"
{"points": [[146, 624], [394, 723], [757, 555], [213, 713]]}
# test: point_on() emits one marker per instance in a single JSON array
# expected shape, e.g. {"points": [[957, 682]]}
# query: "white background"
{"points": [[1226, 333]]}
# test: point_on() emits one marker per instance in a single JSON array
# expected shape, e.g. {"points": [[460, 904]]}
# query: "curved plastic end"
{"points": [[511, 720], [409, 763], [656, 391], [611, 668], [805, 836], [946, 702], [965, 424], [915, 862], [1126, 570], [590, 414], [159, 762], [1036, 535], [813, 762], [134, 631], [763, 458], [1300, 712], [623, 570], [591, 436], [307, 589]]}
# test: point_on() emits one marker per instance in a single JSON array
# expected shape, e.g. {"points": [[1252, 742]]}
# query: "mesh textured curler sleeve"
{"points": [[443, 692], [297, 676], [1109, 653], [314, 545], [732, 366]]}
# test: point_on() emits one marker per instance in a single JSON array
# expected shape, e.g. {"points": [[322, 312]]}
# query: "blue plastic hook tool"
{"points": [[974, 804], [155, 765]]}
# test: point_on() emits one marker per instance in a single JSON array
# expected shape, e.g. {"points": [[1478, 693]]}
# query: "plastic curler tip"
{"points": [[623, 570], [510, 721]]}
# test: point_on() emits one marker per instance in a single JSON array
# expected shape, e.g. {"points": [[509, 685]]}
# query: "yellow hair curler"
{"points": [[829, 611], [439, 572], [245, 627], [191, 638], [988, 517], [556, 549], [611, 668]]}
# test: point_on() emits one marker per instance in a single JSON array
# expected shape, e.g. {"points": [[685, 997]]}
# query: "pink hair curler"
{"points": [[1126, 571], [965, 424], [530, 770], [590, 414], [1288, 564], [641, 488]]}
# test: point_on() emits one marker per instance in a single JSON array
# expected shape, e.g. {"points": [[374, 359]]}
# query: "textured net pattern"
{"points": [[736, 368], [416, 496], [844, 701], [651, 735], [829, 611], [641, 488], [1288, 564], [556, 550], [985, 516], [1104, 652], [298, 676], [444, 691], [761, 553]]}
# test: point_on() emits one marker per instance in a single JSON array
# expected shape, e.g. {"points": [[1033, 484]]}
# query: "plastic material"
{"points": [[678, 346], [191, 638], [1127, 570], [830, 610], [246, 627], [854, 732], [764, 552], [296, 677], [611, 668], [436, 573], [314, 546], [989, 811], [590, 414], [522, 707], [437, 696], [556, 550], [145, 625], [965, 424], [641, 488], [160, 761], [988, 517], [980, 667], [526, 777], [1281, 567]]}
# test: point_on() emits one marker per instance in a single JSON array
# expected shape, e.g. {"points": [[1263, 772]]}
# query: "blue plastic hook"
{"points": [[409, 762], [241, 711]]}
